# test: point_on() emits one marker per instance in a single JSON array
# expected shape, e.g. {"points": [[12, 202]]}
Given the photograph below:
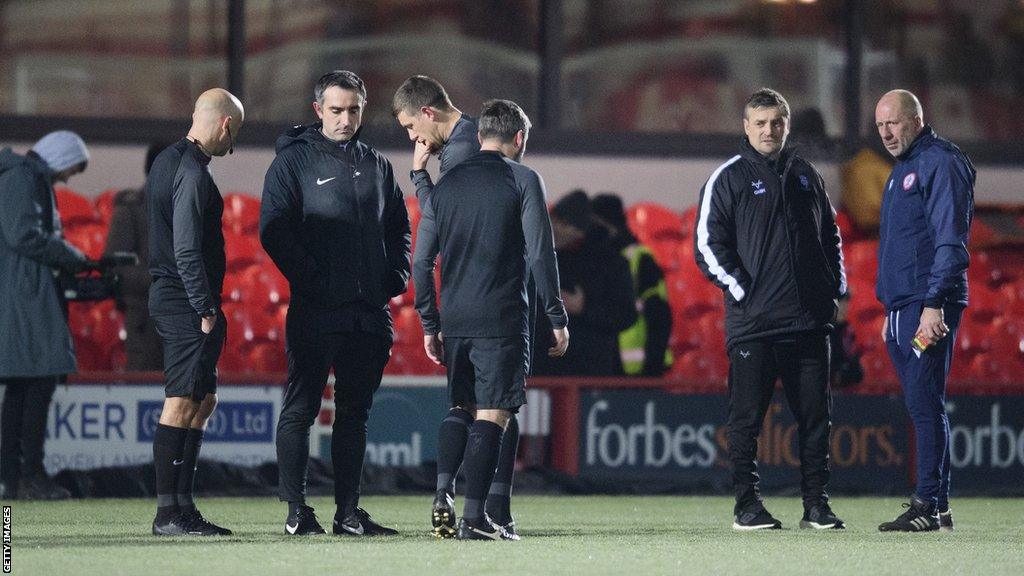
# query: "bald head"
{"points": [[216, 120], [899, 119], [904, 102]]}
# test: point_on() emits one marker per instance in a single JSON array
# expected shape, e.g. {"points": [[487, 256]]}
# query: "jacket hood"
{"points": [[9, 159], [310, 134]]}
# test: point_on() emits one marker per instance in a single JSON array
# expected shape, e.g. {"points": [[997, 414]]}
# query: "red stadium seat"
{"points": [[652, 222], [104, 204], [241, 213], [861, 260], [667, 254], [90, 238], [242, 251], [689, 221], [408, 329], [98, 332], [74, 208], [847, 229], [267, 357]]}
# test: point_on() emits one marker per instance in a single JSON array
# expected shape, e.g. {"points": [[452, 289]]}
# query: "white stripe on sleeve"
{"points": [[702, 236]]}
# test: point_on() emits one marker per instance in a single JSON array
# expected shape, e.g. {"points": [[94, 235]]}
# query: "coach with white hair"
{"points": [[37, 346]]}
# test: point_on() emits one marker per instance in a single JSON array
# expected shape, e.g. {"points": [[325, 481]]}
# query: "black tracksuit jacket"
{"points": [[186, 242], [334, 221], [766, 234]]}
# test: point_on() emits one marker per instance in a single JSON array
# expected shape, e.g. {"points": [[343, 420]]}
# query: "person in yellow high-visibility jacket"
{"points": [[644, 345]]}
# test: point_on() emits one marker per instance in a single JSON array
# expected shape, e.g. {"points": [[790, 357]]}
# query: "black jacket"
{"points": [[129, 232], [36, 340], [334, 221], [766, 234], [186, 242], [609, 307], [488, 220]]}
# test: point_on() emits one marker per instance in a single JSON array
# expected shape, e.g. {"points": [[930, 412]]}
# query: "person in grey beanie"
{"points": [[38, 347]]}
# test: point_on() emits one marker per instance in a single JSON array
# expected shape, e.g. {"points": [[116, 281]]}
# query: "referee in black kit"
{"points": [[334, 221], [186, 261], [488, 220]]}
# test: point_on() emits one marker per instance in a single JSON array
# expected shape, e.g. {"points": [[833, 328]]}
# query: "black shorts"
{"points": [[489, 373], [190, 357]]}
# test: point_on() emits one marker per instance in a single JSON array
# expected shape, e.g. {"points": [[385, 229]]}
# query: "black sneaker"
{"points": [[199, 526], [758, 519], [485, 530], [41, 487], [303, 523], [359, 523], [173, 526], [946, 521], [442, 515], [919, 517], [510, 527], [820, 517]]}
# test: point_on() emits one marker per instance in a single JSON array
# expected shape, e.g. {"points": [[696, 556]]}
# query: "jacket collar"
{"points": [[197, 153], [923, 140], [316, 136], [785, 157]]}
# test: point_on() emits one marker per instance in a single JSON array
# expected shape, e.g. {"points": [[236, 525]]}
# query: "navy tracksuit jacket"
{"points": [[922, 262]]}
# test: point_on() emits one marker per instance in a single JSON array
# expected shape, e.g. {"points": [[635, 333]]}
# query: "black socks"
{"points": [[187, 471], [500, 495], [482, 448], [168, 446], [451, 447]]}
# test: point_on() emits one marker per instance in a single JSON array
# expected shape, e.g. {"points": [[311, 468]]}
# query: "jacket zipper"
{"points": [[353, 174], [789, 236]]}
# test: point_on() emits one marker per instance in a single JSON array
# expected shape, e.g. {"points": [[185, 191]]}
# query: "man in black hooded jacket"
{"points": [[334, 221], [766, 235]]}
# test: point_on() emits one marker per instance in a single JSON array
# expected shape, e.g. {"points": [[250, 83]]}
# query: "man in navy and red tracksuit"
{"points": [[922, 281]]}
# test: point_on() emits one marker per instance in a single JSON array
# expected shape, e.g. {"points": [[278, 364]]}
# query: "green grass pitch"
{"points": [[586, 535]]}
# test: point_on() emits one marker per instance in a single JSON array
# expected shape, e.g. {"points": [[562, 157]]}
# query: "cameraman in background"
{"points": [[37, 348]]}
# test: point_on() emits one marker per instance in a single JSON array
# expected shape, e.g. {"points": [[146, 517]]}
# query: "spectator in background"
{"points": [[129, 232], [597, 290], [808, 134], [37, 348], [643, 347], [863, 178]]}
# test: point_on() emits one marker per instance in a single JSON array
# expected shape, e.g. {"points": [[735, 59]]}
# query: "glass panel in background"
{"points": [[109, 58], [963, 58], [476, 49], [689, 65]]}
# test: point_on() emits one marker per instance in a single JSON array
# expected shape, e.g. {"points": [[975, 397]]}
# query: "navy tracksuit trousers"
{"points": [[923, 380]]}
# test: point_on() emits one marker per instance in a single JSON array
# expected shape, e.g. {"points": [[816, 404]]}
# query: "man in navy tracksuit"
{"points": [[922, 281], [334, 221], [766, 235]]}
